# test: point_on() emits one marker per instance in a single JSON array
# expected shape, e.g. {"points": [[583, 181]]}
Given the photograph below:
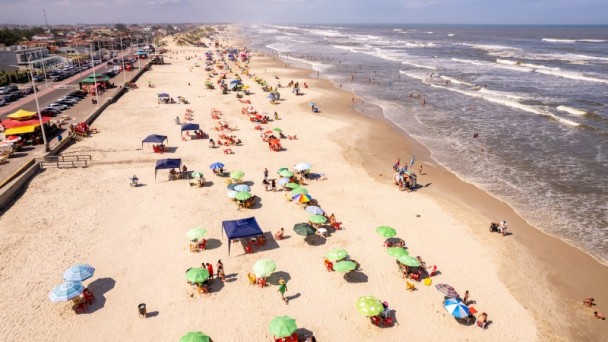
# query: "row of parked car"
{"points": [[11, 93], [64, 103]]}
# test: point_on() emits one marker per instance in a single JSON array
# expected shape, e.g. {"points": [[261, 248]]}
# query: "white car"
{"points": [[57, 106]]}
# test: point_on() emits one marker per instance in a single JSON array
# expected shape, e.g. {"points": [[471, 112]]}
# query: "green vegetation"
{"points": [[10, 37]]}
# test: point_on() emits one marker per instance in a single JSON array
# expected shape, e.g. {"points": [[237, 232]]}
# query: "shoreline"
{"points": [[544, 254]]}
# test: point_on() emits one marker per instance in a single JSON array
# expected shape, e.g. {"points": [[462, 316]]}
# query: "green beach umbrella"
{"points": [[409, 260], [264, 268], [282, 326], [397, 251], [242, 196], [282, 169], [285, 173], [345, 266], [195, 336], [369, 306], [292, 185], [237, 174], [197, 275], [304, 229], [299, 190], [336, 254], [197, 174], [278, 130], [196, 233], [318, 219], [386, 231]]}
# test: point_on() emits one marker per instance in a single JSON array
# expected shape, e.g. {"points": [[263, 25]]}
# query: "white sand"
{"points": [[135, 237]]}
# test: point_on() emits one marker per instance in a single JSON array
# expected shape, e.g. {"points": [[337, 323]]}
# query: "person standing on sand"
{"points": [[265, 173], [210, 269], [282, 289]]}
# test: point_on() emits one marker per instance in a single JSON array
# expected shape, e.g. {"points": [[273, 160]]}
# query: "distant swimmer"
{"points": [[476, 135]]}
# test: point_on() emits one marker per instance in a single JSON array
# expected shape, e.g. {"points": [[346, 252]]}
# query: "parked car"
{"points": [[38, 78], [79, 93], [50, 112], [28, 90], [2, 101], [7, 98], [16, 95], [65, 102], [59, 106], [68, 99], [8, 89]]}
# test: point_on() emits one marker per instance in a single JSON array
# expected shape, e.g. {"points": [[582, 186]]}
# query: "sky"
{"points": [[536, 12]]}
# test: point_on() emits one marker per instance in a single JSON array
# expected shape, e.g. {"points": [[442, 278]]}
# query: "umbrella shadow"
{"points": [[99, 287], [303, 333], [355, 277], [315, 240], [213, 244], [249, 183], [466, 321], [215, 285], [208, 183], [231, 277], [152, 314], [276, 276], [271, 243]]}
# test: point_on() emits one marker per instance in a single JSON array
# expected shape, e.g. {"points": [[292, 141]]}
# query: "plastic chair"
{"points": [[202, 245], [337, 225], [410, 287], [81, 308], [262, 282], [252, 279], [387, 322], [248, 249], [88, 295], [193, 247], [432, 270], [472, 310], [376, 320], [415, 276]]}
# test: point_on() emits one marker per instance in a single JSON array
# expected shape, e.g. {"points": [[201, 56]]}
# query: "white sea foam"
{"points": [[279, 47], [430, 32], [592, 40], [451, 35], [556, 40], [418, 65], [571, 75], [457, 81], [571, 110], [413, 75]]}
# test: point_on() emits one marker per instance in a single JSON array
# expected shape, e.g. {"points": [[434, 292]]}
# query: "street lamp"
{"points": [[124, 71], [46, 143], [95, 79]]}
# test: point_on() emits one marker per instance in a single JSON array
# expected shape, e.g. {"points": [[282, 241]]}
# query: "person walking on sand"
{"points": [[210, 269], [503, 227], [273, 185], [589, 302], [282, 289], [466, 297]]}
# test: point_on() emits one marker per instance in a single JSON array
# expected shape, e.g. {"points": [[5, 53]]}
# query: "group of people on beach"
{"points": [[590, 302]]}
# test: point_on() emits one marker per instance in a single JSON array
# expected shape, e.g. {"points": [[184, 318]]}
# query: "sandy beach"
{"points": [[135, 237]]}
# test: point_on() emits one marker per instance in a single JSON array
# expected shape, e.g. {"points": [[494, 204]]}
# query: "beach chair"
{"points": [[252, 279], [387, 322], [202, 245], [203, 289], [376, 320], [262, 282], [193, 247], [432, 270], [410, 287], [415, 276], [248, 249], [337, 225], [89, 297], [80, 307]]}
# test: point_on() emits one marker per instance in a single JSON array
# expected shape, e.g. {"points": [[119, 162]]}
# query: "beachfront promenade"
{"points": [[135, 237]]}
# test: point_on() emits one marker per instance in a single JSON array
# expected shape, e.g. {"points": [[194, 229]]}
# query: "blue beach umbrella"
{"points": [[78, 272], [456, 307], [283, 181], [242, 187], [66, 291], [232, 193], [216, 165], [314, 210], [303, 166], [231, 186]]}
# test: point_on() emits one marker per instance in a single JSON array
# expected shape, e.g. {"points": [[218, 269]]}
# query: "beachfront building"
{"points": [[17, 55]]}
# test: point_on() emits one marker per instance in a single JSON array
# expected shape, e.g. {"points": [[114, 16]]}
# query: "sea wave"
{"points": [[542, 69], [571, 110], [418, 65], [558, 40]]}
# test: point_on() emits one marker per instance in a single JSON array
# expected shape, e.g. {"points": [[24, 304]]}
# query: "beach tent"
{"points": [[190, 127], [238, 229], [167, 164], [21, 115], [234, 83], [163, 95], [154, 139]]}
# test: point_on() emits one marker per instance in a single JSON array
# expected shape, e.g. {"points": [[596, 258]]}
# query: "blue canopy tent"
{"points": [[154, 139], [234, 84], [190, 127], [167, 164], [243, 228]]}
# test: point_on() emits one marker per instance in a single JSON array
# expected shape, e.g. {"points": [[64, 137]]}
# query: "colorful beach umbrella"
{"points": [[195, 336], [196, 233], [456, 308], [299, 190], [317, 219], [282, 326], [336, 254], [345, 266], [302, 166], [243, 195], [285, 173], [304, 229], [66, 291], [302, 198], [447, 290], [197, 275], [369, 306], [314, 210], [291, 185], [397, 251], [408, 260], [197, 174], [386, 231], [242, 187], [216, 165], [232, 193], [80, 272], [264, 267], [237, 174]]}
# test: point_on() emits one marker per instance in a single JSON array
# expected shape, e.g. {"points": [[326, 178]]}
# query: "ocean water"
{"points": [[536, 97]]}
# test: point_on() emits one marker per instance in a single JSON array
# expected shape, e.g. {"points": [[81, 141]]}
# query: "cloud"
{"points": [[161, 2]]}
